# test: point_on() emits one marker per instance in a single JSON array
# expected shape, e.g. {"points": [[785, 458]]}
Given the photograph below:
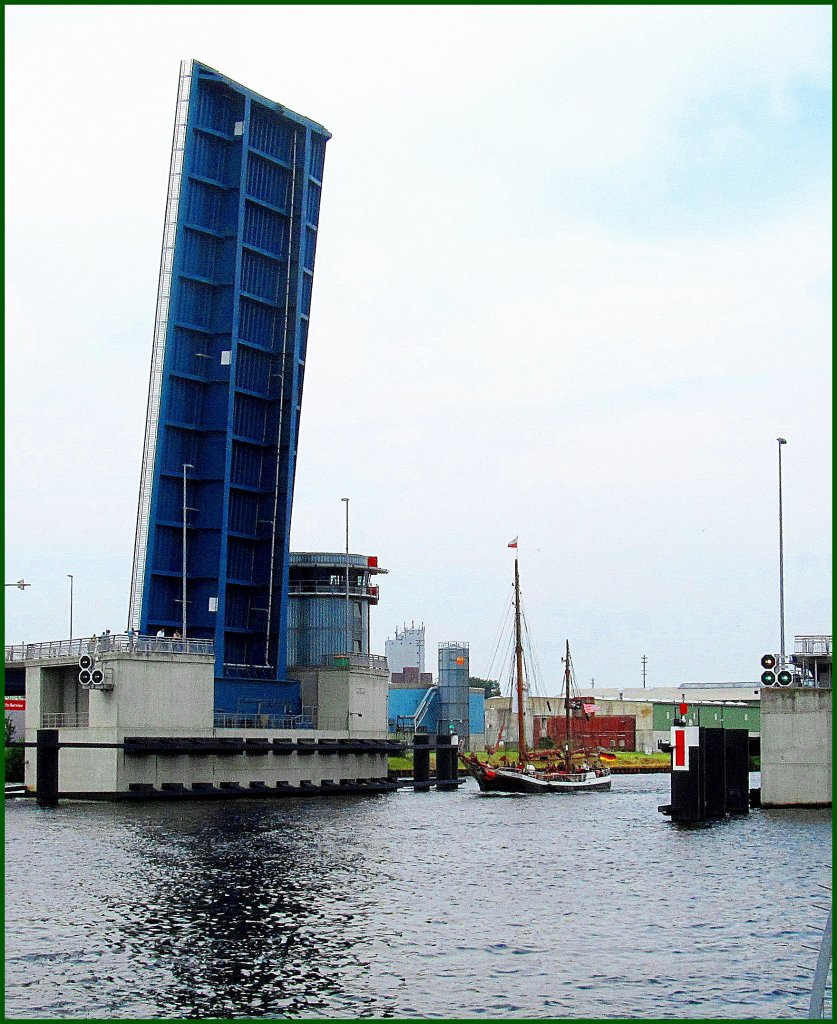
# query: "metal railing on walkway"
{"points": [[120, 642], [331, 589], [812, 645], [376, 662], [223, 720]]}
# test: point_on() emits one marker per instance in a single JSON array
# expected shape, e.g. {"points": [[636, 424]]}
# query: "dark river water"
{"points": [[412, 905]]}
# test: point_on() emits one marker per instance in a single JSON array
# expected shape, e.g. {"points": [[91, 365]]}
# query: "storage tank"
{"points": [[454, 672]]}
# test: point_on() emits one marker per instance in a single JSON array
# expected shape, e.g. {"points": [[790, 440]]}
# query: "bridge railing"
{"points": [[124, 642]]}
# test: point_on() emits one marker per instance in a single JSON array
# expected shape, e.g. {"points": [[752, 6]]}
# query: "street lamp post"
{"points": [[781, 441], [70, 578], [186, 465], [346, 617]]}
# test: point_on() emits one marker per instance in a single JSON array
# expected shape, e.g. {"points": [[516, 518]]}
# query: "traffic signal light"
{"points": [[784, 677], [768, 663]]}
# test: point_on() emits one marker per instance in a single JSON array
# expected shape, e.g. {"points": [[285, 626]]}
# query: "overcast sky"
{"points": [[572, 281]]}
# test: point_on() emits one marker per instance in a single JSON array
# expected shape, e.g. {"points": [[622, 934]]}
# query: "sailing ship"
{"points": [[575, 771]]}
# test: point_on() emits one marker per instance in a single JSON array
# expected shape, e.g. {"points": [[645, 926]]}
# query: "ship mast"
{"points": [[568, 731], [518, 651]]}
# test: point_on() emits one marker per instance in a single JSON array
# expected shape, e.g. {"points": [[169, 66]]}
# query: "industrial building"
{"points": [[627, 719], [406, 649], [451, 706]]}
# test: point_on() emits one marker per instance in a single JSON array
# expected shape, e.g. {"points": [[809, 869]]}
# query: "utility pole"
{"points": [[346, 623], [70, 578], [644, 666]]}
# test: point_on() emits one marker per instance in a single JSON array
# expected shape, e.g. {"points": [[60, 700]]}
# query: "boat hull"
{"points": [[502, 780]]}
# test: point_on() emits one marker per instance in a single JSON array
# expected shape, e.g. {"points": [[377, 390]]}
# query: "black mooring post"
{"points": [[687, 776], [687, 790], [46, 777], [738, 770], [713, 765], [445, 762], [421, 762]]}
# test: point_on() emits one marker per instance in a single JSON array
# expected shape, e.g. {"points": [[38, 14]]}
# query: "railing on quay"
{"points": [[122, 642]]}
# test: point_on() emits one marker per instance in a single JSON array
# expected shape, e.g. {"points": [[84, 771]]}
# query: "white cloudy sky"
{"points": [[573, 280]]}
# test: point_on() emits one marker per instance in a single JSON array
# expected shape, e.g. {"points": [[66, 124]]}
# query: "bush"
{"points": [[14, 764]]}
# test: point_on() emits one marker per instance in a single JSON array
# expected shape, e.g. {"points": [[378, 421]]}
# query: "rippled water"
{"points": [[411, 905]]}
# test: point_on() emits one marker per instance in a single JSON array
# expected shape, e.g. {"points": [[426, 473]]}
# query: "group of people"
{"points": [[100, 644]]}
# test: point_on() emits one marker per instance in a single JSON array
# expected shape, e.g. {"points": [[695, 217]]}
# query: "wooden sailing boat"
{"points": [[568, 776]]}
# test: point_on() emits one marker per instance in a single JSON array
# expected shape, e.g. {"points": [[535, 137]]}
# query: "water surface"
{"points": [[411, 905]]}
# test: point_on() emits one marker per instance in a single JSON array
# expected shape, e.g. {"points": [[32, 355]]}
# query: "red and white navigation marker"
{"points": [[682, 737]]}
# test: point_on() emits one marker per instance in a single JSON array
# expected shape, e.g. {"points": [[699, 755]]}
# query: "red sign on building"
{"points": [[15, 703]]}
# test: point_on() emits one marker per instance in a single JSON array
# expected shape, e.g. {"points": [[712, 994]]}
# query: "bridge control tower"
{"points": [[330, 597], [227, 368]]}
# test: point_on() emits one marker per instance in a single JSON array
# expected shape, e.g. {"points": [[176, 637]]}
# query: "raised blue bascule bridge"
{"points": [[211, 552]]}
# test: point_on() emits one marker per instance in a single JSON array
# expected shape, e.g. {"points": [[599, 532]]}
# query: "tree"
{"points": [[13, 755], [491, 686]]}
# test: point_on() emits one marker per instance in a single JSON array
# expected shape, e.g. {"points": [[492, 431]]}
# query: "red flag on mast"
{"points": [[513, 544]]}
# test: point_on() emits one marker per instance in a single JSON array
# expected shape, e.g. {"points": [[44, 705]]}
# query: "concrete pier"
{"points": [[795, 747], [150, 729]]}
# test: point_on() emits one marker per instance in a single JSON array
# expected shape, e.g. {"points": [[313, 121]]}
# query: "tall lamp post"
{"points": [[781, 441], [186, 465], [346, 623], [70, 578]]}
